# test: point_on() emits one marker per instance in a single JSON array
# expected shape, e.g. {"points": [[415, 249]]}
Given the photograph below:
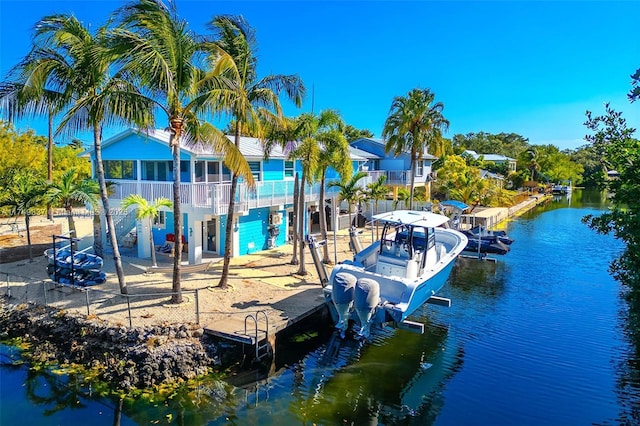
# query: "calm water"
{"points": [[540, 337]]}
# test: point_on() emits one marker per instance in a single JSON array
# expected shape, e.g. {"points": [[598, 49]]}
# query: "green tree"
{"points": [[377, 191], [403, 197], [174, 65], [37, 86], [253, 103], [326, 128], [351, 133], [308, 153], [614, 143], [592, 172], [414, 123], [507, 144], [23, 196], [74, 62], [20, 151], [70, 190], [461, 182], [147, 211], [351, 191]]}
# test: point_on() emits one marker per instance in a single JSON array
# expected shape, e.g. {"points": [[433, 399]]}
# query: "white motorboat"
{"points": [[387, 281]]}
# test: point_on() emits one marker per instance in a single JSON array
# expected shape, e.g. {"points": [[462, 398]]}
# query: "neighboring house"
{"points": [[141, 163], [396, 169], [497, 178], [493, 158]]}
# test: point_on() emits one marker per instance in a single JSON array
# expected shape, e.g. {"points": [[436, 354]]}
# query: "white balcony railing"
{"points": [[216, 196]]}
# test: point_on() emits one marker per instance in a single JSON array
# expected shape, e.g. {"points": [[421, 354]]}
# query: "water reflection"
{"points": [[540, 337], [396, 377]]}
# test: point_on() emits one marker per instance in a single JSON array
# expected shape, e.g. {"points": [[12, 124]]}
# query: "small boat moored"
{"points": [[387, 281]]}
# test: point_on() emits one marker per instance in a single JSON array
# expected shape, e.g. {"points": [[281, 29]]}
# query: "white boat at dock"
{"points": [[387, 281]]}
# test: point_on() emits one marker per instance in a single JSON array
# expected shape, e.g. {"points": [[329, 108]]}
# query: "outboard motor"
{"points": [[366, 298], [342, 291]]}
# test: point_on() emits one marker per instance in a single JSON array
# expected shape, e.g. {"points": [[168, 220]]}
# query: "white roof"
{"points": [[413, 218]]}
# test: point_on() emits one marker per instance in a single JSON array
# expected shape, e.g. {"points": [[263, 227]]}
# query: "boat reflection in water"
{"points": [[396, 376]]}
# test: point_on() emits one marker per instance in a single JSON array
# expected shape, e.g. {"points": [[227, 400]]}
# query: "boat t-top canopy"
{"points": [[412, 218], [454, 203]]}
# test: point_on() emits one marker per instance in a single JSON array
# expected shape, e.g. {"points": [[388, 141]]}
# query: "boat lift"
{"points": [[356, 246]]}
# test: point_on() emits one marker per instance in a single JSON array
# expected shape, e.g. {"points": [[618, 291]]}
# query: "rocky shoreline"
{"points": [[126, 358]]}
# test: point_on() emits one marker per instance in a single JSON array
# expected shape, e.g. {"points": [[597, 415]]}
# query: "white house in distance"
{"points": [[493, 158]]}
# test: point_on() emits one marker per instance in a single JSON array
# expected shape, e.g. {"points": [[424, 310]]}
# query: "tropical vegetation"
{"points": [[149, 211], [415, 122], [619, 152]]}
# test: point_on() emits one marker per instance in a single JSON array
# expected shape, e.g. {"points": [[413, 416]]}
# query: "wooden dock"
{"points": [[258, 325]]}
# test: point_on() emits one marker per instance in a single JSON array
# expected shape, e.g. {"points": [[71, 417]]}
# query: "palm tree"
{"points": [[173, 64], [350, 191], [377, 191], [334, 153], [252, 103], [403, 196], [308, 153], [149, 211], [412, 125], [70, 69], [69, 190], [30, 91], [24, 194], [533, 166]]}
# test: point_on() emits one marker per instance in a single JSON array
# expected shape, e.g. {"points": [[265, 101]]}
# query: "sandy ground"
{"points": [[265, 281]]}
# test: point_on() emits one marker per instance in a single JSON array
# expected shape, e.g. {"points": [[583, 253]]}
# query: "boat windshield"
{"points": [[399, 239]]}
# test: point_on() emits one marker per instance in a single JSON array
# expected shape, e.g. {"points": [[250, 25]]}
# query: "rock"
{"points": [[132, 358]]}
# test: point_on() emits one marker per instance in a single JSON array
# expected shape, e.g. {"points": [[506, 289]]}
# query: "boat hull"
{"points": [[399, 296]]}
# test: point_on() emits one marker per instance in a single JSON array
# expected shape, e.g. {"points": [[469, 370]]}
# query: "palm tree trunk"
{"points": [[174, 143], [104, 195], [301, 270], [413, 179], [228, 243], [50, 160], [72, 227], [27, 221], [323, 219], [97, 233], [294, 227], [154, 261]]}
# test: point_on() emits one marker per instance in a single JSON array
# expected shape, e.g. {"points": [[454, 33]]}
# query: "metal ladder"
{"points": [[261, 345]]}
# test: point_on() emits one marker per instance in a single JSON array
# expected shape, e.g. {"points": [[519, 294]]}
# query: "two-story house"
{"points": [[396, 169], [141, 163]]}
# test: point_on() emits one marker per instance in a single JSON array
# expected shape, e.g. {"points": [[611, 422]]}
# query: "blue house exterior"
{"points": [[396, 169], [141, 163]]}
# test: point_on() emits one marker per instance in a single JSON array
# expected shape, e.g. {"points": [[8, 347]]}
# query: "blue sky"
{"points": [[531, 68]]}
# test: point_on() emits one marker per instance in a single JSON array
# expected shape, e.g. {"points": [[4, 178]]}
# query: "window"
{"points": [[119, 169], [288, 169], [255, 169], [155, 170], [199, 171], [226, 174], [420, 168], [160, 220], [213, 171]]}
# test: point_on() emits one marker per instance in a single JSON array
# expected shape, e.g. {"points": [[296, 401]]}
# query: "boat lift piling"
{"points": [[315, 245]]}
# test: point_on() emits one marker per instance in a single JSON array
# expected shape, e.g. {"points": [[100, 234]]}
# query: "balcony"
{"points": [[216, 196]]}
